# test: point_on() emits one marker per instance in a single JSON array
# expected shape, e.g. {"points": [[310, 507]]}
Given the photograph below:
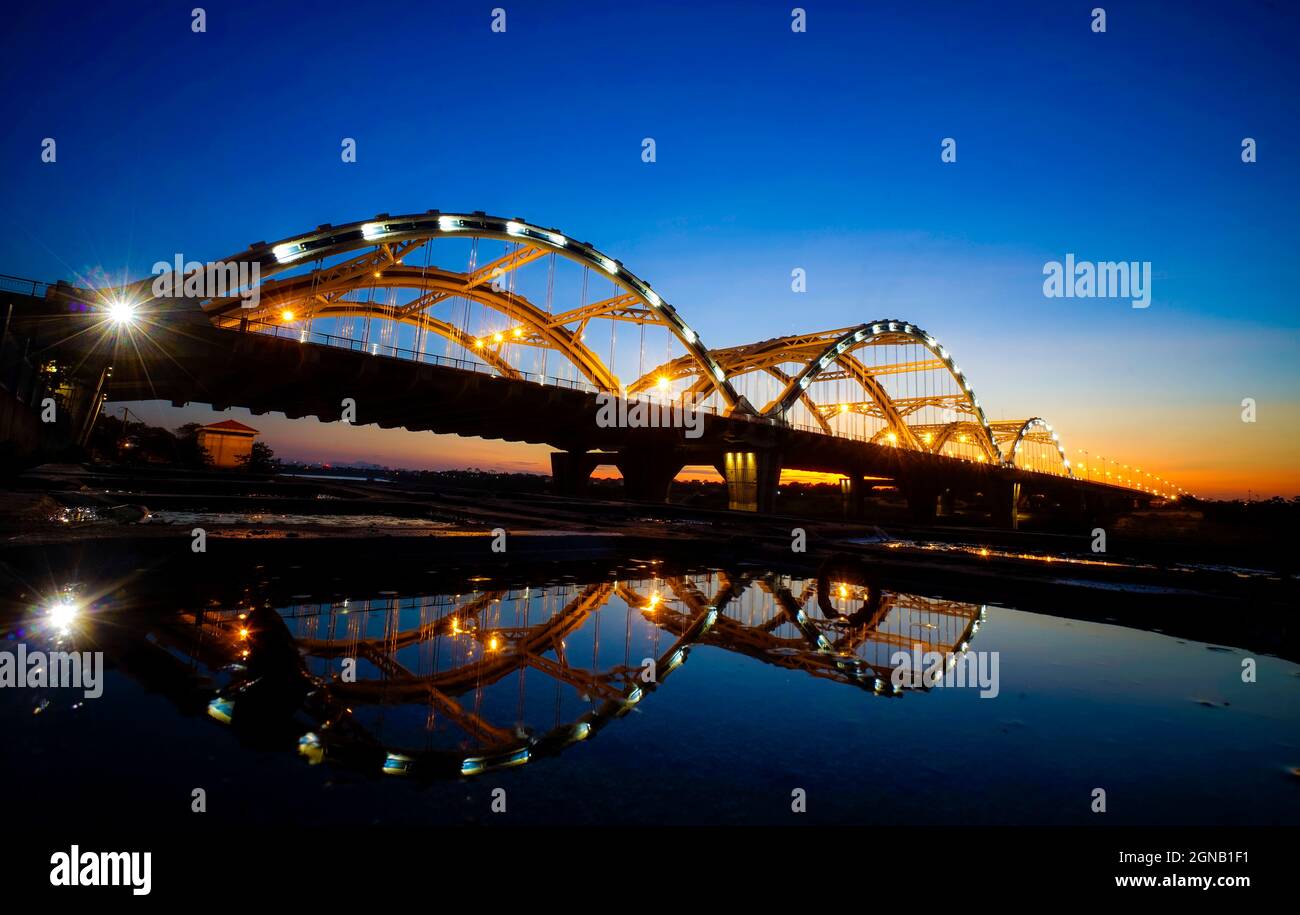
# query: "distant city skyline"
{"points": [[775, 151]]}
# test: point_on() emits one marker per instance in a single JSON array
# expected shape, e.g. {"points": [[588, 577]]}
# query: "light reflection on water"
{"points": [[549, 686]]}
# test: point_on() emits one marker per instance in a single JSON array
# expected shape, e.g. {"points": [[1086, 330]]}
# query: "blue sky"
{"points": [[774, 150]]}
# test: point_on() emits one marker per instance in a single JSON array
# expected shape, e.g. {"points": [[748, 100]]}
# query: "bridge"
{"points": [[444, 684], [522, 343]]}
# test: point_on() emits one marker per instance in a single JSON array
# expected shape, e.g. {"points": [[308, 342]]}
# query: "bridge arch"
{"points": [[307, 298], [387, 240], [827, 350], [839, 352], [1022, 435]]}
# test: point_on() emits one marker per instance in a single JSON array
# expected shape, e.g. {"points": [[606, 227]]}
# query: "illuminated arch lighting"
{"points": [[861, 335], [1056, 441], [328, 241]]}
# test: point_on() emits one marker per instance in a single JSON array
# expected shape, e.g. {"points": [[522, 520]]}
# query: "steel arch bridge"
{"points": [[511, 301], [452, 685], [885, 381]]}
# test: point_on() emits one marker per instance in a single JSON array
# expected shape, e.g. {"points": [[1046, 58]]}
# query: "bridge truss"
{"points": [[509, 298], [453, 685]]}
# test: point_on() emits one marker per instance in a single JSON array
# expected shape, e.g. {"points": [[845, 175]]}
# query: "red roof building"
{"points": [[229, 442]]}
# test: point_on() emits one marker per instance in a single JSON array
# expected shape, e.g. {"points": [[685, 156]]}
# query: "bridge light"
{"points": [[719, 374], [121, 312], [286, 315], [478, 344], [662, 382], [497, 338], [844, 408], [653, 297], [514, 228], [396, 764], [892, 437], [688, 335], [519, 332], [63, 614], [289, 252]]}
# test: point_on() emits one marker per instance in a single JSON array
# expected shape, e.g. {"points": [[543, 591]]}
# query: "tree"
{"points": [[189, 453], [260, 459]]}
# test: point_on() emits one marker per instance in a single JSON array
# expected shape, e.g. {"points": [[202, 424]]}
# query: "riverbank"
{"points": [[333, 538]]}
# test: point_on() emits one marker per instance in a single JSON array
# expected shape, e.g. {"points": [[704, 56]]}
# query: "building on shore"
{"points": [[228, 442]]}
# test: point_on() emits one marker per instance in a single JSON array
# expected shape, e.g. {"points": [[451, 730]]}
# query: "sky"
{"points": [[774, 150]]}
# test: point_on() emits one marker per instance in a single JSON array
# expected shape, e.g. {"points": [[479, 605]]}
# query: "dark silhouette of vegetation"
{"points": [[1276, 513], [138, 443], [189, 453], [261, 459]]}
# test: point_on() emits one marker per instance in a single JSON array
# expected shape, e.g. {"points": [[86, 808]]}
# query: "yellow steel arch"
{"points": [[393, 237], [840, 350], [1024, 432], [307, 297]]}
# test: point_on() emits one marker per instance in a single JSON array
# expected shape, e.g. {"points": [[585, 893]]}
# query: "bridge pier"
{"points": [[946, 504], [752, 478], [1004, 504], [571, 472], [853, 490], [922, 501], [647, 475]]}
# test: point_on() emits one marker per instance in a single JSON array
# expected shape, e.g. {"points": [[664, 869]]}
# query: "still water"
{"points": [[644, 697]]}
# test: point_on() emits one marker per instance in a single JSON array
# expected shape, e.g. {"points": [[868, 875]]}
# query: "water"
{"points": [[342, 522], [540, 688]]}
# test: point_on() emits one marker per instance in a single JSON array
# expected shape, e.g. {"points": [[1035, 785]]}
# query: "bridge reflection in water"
{"points": [[445, 685]]}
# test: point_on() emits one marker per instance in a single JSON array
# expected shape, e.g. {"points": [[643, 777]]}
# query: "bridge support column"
{"points": [[853, 490], [648, 475], [946, 504], [1098, 509], [922, 501], [752, 478], [1004, 504], [571, 472]]}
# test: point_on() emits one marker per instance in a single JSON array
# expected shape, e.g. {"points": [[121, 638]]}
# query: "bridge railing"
{"points": [[22, 284], [376, 348]]}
